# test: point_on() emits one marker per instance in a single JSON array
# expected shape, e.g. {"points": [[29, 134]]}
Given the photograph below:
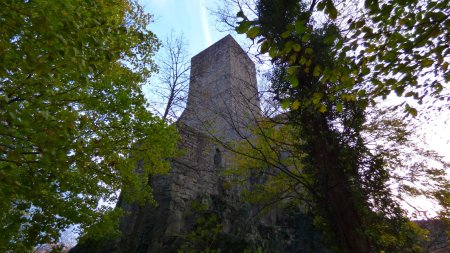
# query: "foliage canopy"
{"points": [[382, 47], [73, 119]]}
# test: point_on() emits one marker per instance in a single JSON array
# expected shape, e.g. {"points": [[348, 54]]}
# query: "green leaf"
{"points": [[317, 96], [308, 63], [293, 80], [285, 104], [292, 70], [399, 90], [444, 66], [300, 26], [265, 46], [329, 39], [411, 110], [339, 107], [288, 47], [292, 58], [365, 71], [273, 52], [360, 23], [362, 93], [317, 70], [332, 11], [295, 105], [285, 34], [302, 60], [410, 94], [253, 32], [305, 37], [321, 5], [345, 78], [243, 26], [426, 63], [322, 108]]}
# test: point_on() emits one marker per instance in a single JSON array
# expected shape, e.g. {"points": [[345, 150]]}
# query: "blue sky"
{"points": [[190, 17]]}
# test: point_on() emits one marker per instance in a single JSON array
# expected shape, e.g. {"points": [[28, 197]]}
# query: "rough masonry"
{"points": [[221, 109]]}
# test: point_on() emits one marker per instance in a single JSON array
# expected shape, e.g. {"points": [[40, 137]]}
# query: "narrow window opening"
{"points": [[218, 159]]}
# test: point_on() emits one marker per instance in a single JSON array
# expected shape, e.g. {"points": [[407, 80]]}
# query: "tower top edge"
{"points": [[227, 41]]}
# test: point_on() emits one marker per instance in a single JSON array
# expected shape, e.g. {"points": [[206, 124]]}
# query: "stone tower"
{"points": [[222, 107], [223, 96]]}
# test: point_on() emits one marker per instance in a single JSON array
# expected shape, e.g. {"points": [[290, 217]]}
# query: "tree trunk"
{"points": [[338, 199]]}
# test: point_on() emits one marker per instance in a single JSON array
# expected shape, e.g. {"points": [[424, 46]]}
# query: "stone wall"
{"points": [[222, 107], [223, 96]]}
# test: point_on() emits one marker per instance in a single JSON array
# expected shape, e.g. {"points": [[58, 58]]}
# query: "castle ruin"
{"points": [[221, 110]]}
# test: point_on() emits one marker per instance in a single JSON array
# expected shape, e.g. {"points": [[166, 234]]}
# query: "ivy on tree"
{"points": [[328, 82], [73, 118]]}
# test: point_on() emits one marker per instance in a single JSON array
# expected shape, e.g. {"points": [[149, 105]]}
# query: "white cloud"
{"points": [[205, 25]]}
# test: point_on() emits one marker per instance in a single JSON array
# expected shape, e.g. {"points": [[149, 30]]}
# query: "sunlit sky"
{"points": [[194, 20]]}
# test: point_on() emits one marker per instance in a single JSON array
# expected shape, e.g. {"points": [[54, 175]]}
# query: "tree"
{"points": [[405, 48], [173, 77], [316, 78], [382, 47], [276, 159], [71, 115]]}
